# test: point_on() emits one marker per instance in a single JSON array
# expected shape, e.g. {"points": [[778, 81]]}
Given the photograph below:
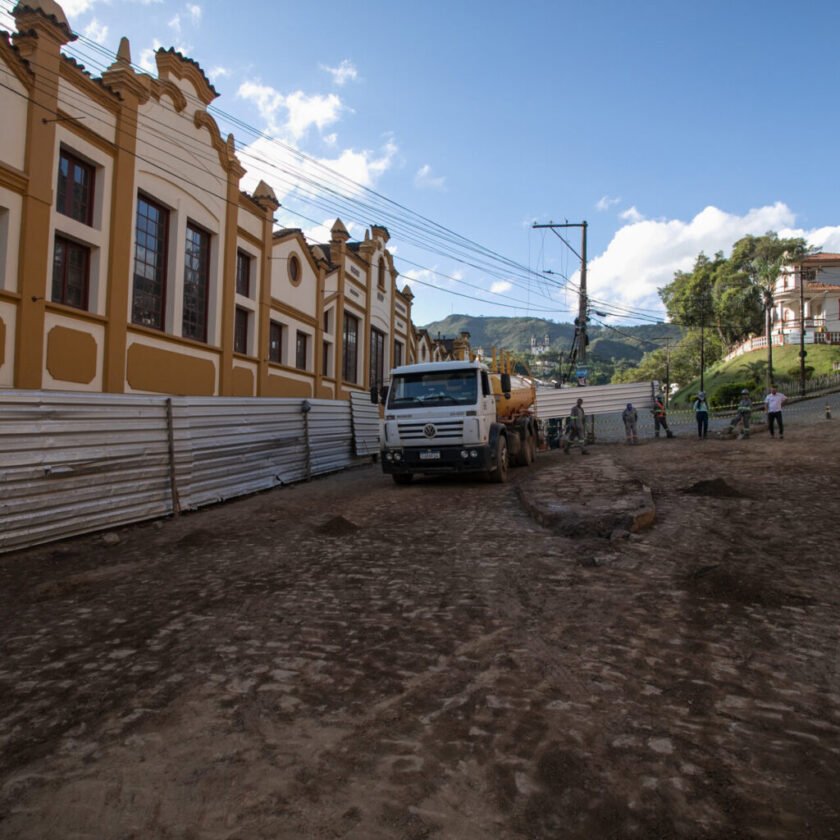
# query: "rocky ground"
{"points": [[348, 658]]}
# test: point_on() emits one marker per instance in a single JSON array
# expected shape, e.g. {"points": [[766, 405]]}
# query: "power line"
{"points": [[317, 191]]}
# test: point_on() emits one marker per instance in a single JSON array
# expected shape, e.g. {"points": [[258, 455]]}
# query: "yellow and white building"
{"points": [[132, 262]]}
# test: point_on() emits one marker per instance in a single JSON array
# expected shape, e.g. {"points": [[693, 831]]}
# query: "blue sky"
{"points": [[669, 127]]}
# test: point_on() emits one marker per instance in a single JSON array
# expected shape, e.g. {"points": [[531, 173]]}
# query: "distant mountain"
{"points": [[627, 344]]}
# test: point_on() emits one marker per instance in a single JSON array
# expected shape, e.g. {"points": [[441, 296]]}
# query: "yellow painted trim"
{"points": [[291, 312], [13, 179], [12, 297], [249, 238], [73, 126], [71, 355], [74, 312], [171, 62], [36, 209], [227, 158], [13, 60], [176, 340], [76, 77], [163, 87], [358, 311], [168, 372], [357, 283]]}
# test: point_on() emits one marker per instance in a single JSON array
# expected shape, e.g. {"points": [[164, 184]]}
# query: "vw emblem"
{"points": [[429, 430]]}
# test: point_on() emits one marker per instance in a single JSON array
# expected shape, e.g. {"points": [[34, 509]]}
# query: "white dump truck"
{"points": [[456, 417]]}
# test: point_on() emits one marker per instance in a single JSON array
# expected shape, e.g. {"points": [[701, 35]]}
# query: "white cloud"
{"points": [[643, 256], [330, 139], [76, 7], [287, 170], [345, 72], [825, 238], [293, 115], [631, 215], [194, 11], [306, 111], [605, 202], [96, 31], [175, 25], [219, 72], [424, 180], [147, 57], [500, 287]]}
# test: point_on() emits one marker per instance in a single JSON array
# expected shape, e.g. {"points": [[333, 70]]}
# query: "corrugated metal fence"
{"points": [[597, 399], [72, 463]]}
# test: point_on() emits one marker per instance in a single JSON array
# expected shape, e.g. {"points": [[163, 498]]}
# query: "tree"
{"points": [[756, 371]]}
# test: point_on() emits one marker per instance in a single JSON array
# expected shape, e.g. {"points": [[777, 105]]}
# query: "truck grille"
{"points": [[445, 430]]}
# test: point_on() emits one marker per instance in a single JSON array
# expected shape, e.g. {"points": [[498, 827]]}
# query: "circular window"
{"points": [[294, 270]]}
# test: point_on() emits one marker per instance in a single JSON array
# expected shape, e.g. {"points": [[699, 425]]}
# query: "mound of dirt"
{"points": [[715, 487], [338, 526]]}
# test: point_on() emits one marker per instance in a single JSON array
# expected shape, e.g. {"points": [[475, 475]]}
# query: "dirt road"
{"points": [[347, 658]]}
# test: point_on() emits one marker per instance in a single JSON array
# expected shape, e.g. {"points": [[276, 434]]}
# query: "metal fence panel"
{"points": [[365, 424], [331, 436], [72, 463], [233, 446], [597, 399]]}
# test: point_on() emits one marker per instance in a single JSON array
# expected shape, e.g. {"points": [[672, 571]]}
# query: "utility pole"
{"points": [[579, 353]]}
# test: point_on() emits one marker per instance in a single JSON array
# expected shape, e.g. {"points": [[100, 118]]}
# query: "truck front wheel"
{"points": [[402, 478], [500, 474]]}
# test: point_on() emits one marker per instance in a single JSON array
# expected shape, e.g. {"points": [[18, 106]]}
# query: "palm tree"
{"points": [[756, 370]]}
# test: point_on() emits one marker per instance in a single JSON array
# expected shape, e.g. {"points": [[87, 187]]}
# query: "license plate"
{"points": [[430, 455]]}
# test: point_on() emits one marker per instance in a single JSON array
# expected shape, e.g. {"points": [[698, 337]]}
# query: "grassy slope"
{"points": [[820, 357]]}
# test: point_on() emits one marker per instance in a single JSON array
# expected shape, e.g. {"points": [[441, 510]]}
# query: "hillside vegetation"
{"points": [[749, 371]]}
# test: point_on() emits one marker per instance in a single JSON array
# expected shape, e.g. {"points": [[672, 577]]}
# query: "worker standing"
{"points": [[701, 414], [660, 420], [630, 417], [576, 428], [773, 403], [744, 414]]}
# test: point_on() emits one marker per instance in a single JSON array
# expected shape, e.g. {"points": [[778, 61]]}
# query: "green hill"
{"points": [[627, 344], [785, 370]]}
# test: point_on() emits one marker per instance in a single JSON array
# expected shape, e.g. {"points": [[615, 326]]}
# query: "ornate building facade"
{"points": [[132, 262]]}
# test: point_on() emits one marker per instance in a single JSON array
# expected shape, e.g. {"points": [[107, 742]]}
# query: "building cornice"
{"points": [[182, 68], [16, 62], [225, 149], [76, 74]]}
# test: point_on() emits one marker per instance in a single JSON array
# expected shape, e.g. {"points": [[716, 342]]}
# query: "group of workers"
{"points": [[574, 433]]}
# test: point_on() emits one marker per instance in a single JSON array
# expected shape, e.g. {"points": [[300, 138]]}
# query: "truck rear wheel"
{"points": [[402, 478], [500, 474]]}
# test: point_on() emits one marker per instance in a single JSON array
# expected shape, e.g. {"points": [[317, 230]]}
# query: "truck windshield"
{"points": [[457, 387]]}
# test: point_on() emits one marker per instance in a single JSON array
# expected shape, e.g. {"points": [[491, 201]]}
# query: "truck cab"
{"points": [[442, 417]]}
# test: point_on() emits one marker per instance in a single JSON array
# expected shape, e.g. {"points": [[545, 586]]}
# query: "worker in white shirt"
{"points": [[773, 403]]}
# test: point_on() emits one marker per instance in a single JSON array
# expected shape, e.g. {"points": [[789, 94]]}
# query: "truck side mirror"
{"points": [[505, 382], [384, 394], [374, 395]]}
